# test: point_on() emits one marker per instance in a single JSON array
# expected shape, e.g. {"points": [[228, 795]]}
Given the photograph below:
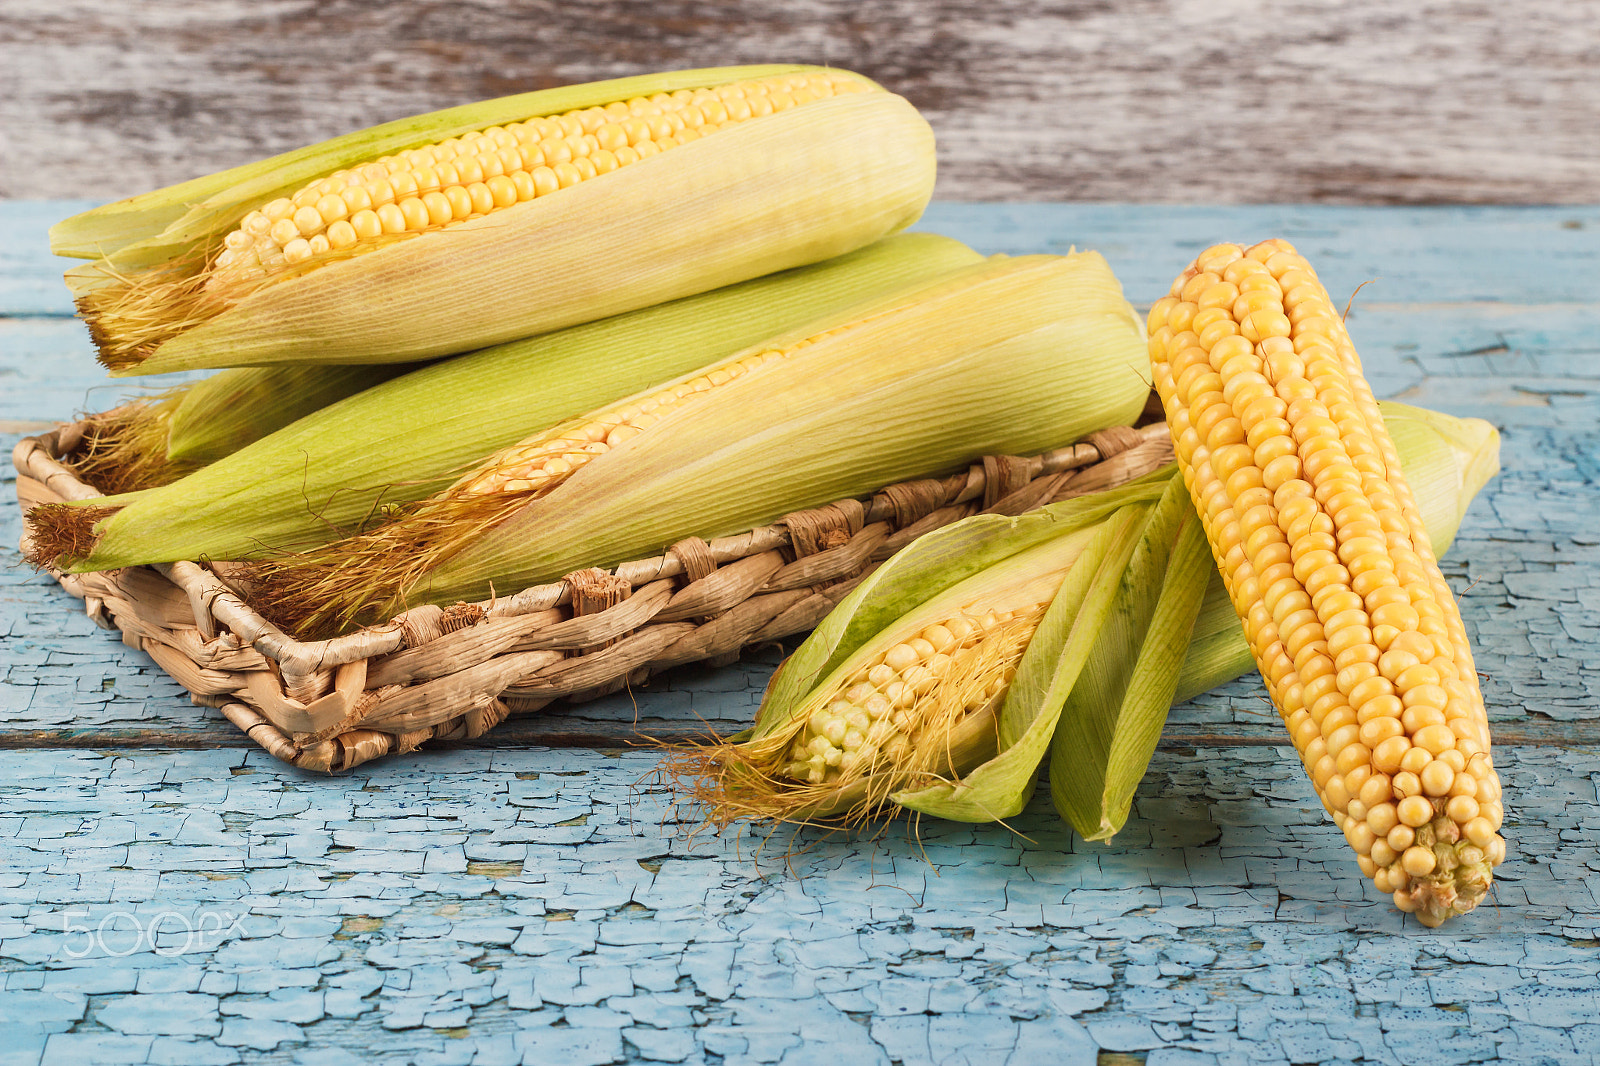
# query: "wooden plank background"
{"points": [[1180, 101]]}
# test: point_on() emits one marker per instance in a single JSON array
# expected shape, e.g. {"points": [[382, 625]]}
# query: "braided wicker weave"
{"points": [[452, 673]]}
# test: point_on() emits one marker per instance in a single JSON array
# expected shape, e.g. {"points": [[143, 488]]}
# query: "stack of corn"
{"points": [[332, 470], [625, 423], [1004, 356]]}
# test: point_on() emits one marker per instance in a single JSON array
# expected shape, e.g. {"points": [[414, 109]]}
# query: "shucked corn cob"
{"points": [[1009, 356], [937, 684], [335, 469], [536, 212], [1329, 567]]}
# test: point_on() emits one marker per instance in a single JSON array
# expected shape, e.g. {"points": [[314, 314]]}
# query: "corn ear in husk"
{"points": [[328, 473], [825, 175], [218, 415], [1134, 621], [932, 666], [1010, 356], [155, 440]]}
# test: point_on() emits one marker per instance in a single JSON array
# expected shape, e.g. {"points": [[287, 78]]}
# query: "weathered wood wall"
{"points": [[1189, 101]]}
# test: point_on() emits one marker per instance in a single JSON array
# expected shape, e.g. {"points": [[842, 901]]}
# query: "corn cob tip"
{"points": [[1460, 876], [56, 536], [125, 449], [1329, 567]]}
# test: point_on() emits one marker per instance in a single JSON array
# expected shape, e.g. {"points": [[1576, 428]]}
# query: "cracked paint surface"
{"points": [[549, 906]]}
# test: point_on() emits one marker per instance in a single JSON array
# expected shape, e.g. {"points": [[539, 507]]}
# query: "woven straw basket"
{"points": [[453, 673]]}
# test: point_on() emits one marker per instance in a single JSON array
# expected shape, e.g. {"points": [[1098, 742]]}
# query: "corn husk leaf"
{"points": [[1114, 714], [326, 474]]}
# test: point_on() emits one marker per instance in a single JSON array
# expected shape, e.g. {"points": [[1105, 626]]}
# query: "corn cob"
{"points": [[1328, 565], [1011, 355], [331, 471], [837, 739], [686, 181]]}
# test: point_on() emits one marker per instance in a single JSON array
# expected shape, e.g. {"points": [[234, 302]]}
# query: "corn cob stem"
{"points": [[1328, 565]]}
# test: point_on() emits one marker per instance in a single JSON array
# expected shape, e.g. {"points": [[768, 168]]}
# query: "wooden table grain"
{"points": [[168, 895]]}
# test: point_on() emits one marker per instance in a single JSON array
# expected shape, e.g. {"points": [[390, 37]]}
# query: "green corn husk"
{"points": [[1115, 708], [1135, 621], [796, 187], [1010, 356], [155, 440], [326, 474], [219, 415]]}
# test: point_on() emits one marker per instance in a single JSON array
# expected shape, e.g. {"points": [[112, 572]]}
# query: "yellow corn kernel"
{"points": [[1330, 569]]}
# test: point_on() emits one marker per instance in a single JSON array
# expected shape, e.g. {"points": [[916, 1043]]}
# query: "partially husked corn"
{"points": [[479, 225], [540, 464], [963, 662], [463, 178], [1329, 566]]}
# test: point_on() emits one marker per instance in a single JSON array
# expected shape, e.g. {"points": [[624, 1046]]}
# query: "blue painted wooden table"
{"points": [[169, 895]]}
